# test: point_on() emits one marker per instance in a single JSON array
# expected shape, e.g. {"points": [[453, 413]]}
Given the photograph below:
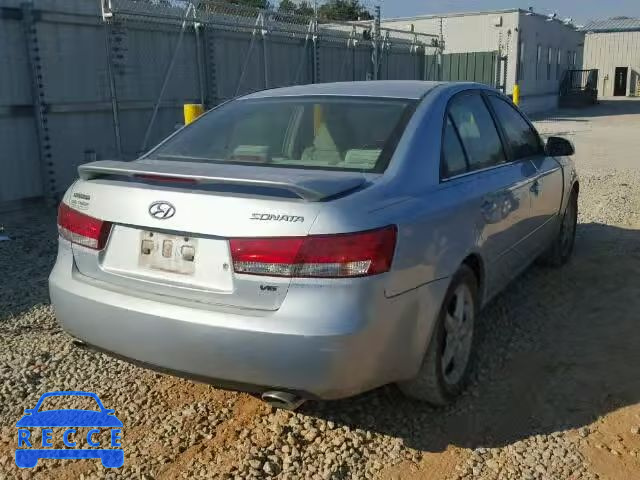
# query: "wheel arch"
{"points": [[475, 262], [576, 187]]}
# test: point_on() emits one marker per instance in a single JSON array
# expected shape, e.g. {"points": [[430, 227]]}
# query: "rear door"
{"points": [[502, 203], [546, 191]]}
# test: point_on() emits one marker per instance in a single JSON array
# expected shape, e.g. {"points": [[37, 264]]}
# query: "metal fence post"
{"points": [[40, 107], [316, 52], [112, 86], [265, 53], [210, 65], [440, 54], [199, 59], [375, 56]]}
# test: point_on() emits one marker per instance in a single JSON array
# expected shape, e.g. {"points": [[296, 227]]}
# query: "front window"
{"points": [[329, 133], [522, 139]]}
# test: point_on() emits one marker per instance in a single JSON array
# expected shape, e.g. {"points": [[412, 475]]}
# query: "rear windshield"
{"points": [[335, 133]]}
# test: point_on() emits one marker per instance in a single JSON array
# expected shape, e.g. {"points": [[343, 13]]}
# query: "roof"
{"points": [[615, 24], [473, 13], [408, 89], [455, 14], [568, 23]]}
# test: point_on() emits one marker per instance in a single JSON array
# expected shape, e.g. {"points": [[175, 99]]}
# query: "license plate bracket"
{"points": [[169, 253]]}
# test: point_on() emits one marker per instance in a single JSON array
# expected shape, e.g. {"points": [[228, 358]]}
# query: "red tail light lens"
{"points": [[323, 256], [82, 229]]}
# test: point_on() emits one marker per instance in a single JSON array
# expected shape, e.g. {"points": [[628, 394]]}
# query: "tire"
{"points": [[436, 383], [561, 248]]}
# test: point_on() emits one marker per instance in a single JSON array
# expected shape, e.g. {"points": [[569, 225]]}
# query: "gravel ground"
{"points": [[555, 392]]}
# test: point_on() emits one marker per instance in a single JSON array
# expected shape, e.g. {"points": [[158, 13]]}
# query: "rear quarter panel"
{"points": [[436, 223]]}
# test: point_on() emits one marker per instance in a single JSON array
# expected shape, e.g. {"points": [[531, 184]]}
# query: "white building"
{"points": [[539, 48], [613, 47]]}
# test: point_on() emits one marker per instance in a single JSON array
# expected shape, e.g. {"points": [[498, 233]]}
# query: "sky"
{"points": [[580, 10]]}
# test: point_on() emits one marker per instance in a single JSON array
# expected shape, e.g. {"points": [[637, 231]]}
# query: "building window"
{"points": [[538, 60], [574, 59], [520, 75], [558, 64], [569, 56], [549, 57]]}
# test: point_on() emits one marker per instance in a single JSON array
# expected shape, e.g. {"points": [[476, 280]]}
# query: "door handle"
{"points": [[535, 188]]}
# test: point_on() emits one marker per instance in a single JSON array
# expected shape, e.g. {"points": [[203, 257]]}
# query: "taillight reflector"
{"points": [[82, 229], [324, 256]]}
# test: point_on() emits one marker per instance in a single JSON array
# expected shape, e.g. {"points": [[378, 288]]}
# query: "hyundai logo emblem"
{"points": [[162, 210]]}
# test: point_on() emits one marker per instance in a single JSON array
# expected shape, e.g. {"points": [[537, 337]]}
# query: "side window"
{"points": [[522, 139], [454, 161], [477, 131]]}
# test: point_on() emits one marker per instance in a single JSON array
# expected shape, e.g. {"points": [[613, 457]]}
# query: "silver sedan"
{"points": [[316, 241]]}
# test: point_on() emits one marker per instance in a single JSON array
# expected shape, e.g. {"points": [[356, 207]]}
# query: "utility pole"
{"points": [[376, 43]]}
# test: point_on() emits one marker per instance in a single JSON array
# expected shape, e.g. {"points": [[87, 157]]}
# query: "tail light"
{"points": [[82, 229], [324, 256]]}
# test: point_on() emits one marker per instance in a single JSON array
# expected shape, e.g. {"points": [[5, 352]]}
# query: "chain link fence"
{"points": [[107, 79], [164, 54]]}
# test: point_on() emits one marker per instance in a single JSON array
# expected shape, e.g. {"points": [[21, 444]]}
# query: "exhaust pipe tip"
{"points": [[282, 400]]}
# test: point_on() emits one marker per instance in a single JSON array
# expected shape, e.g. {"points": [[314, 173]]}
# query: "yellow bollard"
{"points": [[516, 94], [192, 111]]}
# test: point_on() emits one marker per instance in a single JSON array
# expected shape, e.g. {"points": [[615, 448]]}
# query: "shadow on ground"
{"points": [[604, 108], [571, 355], [26, 259]]}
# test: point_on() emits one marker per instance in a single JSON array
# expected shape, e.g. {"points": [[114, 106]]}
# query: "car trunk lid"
{"points": [[171, 237]]}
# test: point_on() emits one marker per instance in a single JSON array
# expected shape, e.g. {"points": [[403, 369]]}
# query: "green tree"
{"points": [[344, 10], [287, 6], [300, 8]]}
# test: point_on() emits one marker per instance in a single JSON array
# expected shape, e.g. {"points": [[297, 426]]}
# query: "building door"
{"points": [[620, 82]]}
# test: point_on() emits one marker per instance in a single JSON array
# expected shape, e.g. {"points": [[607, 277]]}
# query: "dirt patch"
{"points": [[438, 465]]}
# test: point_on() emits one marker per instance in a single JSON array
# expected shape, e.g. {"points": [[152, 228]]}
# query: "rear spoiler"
{"points": [[309, 185]]}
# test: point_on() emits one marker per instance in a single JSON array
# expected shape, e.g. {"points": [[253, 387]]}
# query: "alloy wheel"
{"points": [[458, 325]]}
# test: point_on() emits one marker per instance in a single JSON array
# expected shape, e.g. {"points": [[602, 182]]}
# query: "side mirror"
{"points": [[28, 411], [559, 147]]}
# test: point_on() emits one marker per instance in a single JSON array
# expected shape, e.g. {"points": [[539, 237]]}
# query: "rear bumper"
{"points": [[329, 339]]}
